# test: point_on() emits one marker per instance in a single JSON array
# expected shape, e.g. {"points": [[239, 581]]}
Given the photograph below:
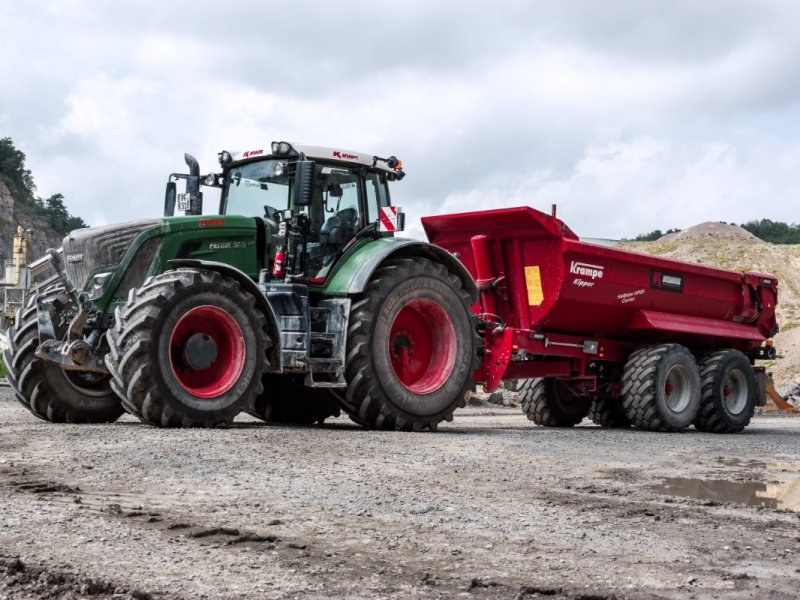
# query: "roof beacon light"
{"points": [[224, 157], [394, 163]]}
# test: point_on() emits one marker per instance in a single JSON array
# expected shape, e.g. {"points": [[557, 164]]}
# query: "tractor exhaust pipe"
{"points": [[193, 186]]}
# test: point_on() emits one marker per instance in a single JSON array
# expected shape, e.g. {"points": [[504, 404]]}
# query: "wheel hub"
{"points": [[200, 351], [734, 392], [677, 390], [207, 351]]}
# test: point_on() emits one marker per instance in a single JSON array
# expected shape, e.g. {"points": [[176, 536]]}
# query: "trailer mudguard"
{"points": [[274, 351], [355, 269]]}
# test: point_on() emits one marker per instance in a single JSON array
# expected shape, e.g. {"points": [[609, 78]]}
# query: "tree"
{"points": [[12, 166], [775, 232], [20, 181], [654, 235], [58, 215]]}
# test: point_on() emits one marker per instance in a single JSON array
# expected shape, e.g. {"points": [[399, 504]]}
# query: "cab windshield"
{"points": [[257, 189]]}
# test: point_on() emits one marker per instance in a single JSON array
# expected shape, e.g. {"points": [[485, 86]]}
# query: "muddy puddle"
{"points": [[783, 495]]}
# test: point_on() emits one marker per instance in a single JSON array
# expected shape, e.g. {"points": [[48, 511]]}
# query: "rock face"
{"points": [[13, 213]]}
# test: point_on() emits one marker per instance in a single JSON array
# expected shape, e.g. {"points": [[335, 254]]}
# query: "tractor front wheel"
{"points": [[44, 388], [411, 347], [188, 350]]}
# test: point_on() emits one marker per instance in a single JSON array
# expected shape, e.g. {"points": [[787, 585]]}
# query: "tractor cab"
{"points": [[311, 203]]}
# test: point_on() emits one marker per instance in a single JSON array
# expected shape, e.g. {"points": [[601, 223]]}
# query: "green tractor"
{"points": [[293, 302]]}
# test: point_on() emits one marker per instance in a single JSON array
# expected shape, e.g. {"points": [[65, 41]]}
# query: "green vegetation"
{"points": [[13, 171], [653, 235], [3, 369], [775, 232], [19, 180]]}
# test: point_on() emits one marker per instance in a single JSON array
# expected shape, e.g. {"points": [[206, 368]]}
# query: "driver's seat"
{"points": [[336, 232]]}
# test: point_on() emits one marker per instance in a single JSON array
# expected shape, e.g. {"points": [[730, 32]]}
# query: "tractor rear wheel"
{"points": [[661, 388], [286, 400], [728, 393], [608, 412], [549, 402], [411, 347], [188, 350], [44, 388]]}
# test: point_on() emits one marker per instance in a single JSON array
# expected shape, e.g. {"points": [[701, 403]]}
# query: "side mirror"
{"points": [[169, 199], [304, 182]]}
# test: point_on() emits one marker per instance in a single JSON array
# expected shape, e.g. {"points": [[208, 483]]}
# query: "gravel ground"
{"points": [[488, 507]]}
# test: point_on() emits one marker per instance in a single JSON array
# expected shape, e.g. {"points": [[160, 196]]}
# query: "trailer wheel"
{"points": [[286, 400], [728, 392], [608, 412], [661, 388], [549, 402], [411, 347], [188, 350], [45, 389]]}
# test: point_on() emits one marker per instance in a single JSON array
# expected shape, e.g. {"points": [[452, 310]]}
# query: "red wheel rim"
{"points": [[422, 346], [218, 325]]}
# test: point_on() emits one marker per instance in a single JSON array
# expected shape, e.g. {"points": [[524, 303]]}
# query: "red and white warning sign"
{"points": [[388, 218]]}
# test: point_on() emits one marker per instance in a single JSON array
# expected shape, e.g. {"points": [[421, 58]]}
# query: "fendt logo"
{"points": [[586, 270], [250, 153], [344, 155]]}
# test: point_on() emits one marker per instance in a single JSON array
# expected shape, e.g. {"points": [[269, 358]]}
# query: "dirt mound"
{"points": [[730, 247], [713, 230]]}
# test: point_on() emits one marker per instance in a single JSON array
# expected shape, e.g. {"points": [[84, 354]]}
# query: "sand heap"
{"points": [[713, 230]]}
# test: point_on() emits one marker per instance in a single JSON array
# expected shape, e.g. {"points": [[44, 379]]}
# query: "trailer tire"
{"points": [[661, 388], [45, 389], [728, 393], [547, 401], [411, 347], [608, 412], [164, 355], [287, 401]]}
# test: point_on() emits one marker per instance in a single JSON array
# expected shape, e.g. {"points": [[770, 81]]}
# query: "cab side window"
{"points": [[338, 194], [376, 195]]}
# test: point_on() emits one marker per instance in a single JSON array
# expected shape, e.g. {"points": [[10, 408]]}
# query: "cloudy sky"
{"points": [[630, 115]]}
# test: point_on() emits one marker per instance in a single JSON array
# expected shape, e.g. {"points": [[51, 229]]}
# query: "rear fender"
{"points": [[357, 267], [274, 351]]}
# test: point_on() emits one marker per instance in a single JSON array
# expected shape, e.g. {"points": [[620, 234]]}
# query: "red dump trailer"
{"points": [[622, 337]]}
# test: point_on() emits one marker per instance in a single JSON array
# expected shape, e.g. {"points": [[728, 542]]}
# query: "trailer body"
{"points": [[555, 306]]}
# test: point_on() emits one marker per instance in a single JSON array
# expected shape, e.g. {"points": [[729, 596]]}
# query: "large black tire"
{"points": [[188, 350], [661, 388], [547, 401], [411, 347], [728, 393], [287, 400], [45, 389], [608, 412]]}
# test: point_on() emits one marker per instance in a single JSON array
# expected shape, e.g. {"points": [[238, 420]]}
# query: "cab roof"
{"points": [[326, 154]]}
